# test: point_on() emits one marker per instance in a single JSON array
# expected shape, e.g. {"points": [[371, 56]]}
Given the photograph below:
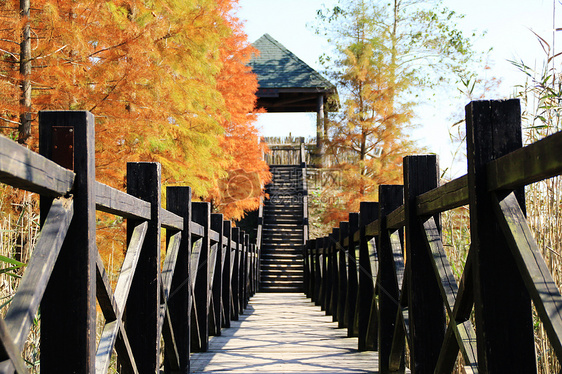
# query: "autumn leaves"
{"points": [[167, 81]]}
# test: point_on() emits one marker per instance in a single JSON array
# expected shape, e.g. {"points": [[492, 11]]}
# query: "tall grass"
{"points": [[19, 228], [541, 96]]}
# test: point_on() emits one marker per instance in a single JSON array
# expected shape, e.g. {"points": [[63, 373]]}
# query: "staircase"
{"points": [[283, 231]]}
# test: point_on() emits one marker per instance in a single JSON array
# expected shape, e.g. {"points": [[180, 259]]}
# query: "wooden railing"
{"points": [[205, 281], [289, 153], [294, 151], [305, 222], [385, 275]]}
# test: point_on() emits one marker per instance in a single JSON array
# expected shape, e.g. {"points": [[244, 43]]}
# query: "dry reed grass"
{"points": [[19, 228]]}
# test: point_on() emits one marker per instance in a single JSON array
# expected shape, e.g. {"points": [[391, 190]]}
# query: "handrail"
{"points": [[503, 259], [304, 202], [259, 242], [152, 302], [25, 169]]}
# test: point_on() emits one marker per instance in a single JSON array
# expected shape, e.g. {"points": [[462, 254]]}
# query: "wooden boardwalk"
{"points": [[283, 333]]}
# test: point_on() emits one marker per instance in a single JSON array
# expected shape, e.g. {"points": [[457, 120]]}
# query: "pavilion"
{"points": [[288, 84]]}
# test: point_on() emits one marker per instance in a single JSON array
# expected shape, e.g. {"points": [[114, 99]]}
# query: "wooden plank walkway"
{"points": [[283, 333]]}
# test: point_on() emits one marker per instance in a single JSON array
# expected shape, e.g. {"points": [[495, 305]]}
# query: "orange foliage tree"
{"points": [[242, 187], [165, 79], [385, 54]]}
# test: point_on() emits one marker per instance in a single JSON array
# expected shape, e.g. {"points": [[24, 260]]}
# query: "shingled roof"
{"points": [[286, 83], [277, 67]]}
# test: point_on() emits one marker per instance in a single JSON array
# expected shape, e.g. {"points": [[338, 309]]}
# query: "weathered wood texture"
{"points": [[143, 182], [68, 307], [366, 325], [23, 168], [504, 269], [388, 285], [152, 300], [427, 317], [494, 130], [209, 273]]}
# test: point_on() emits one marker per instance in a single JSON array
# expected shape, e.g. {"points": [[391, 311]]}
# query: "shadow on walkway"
{"points": [[283, 333]]}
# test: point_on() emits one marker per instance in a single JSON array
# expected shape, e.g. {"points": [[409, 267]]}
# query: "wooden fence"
{"points": [[288, 151], [385, 276], [205, 281], [295, 150]]}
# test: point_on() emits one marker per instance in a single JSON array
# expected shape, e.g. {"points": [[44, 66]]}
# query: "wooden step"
{"points": [[281, 246], [276, 247]]}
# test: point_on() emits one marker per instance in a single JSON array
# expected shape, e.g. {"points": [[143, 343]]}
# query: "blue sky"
{"points": [[508, 24]]}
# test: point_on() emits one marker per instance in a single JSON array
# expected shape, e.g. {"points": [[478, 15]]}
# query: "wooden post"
{"points": [[242, 272], [68, 307], [246, 269], [217, 226], [251, 271], [317, 271], [325, 271], [369, 212], [236, 275], [227, 274], [306, 268], [342, 274], [178, 201], [390, 198], [201, 214], [426, 310], [258, 266], [353, 281], [335, 274], [327, 278], [320, 135], [143, 181], [311, 264], [504, 325]]}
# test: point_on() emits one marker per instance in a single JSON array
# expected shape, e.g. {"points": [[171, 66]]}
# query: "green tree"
{"points": [[384, 55]]}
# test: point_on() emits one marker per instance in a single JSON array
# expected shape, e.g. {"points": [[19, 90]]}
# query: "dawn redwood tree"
{"points": [[166, 81], [149, 71], [384, 55], [241, 188]]}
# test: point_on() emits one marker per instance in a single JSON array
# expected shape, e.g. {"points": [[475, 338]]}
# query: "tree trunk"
{"points": [[25, 70]]}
